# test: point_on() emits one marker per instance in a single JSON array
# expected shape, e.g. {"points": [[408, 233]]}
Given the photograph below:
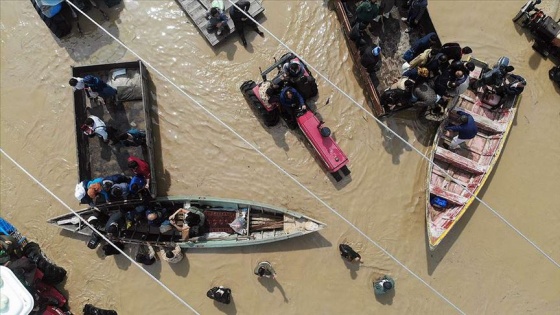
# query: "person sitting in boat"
{"points": [[371, 58], [93, 126], [92, 310], [115, 224], [349, 253], [192, 223], [172, 256], [292, 102], [118, 192], [99, 86], [240, 20], [513, 85], [140, 167], [358, 33], [264, 269], [218, 4], [399, 94], [217, 22], [466, 130], [420, 45], [132, 138], [159, 218], [383, 285]]}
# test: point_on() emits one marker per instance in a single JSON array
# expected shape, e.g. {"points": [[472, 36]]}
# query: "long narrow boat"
{"points": [[469, 166], [197, 9], [390, 35], [96, 158], [261, 223]]}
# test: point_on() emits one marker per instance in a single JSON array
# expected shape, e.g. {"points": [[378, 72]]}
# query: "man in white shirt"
{"points": [[94, 125]]}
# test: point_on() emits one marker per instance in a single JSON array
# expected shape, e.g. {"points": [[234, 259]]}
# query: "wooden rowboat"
{"points": [[468, 166], [264, 223]]}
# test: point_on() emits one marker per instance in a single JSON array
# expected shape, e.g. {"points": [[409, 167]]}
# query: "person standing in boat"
{"points": [[415, 12], [371, 59], [172, 256], [383, 285], [264, 269], [240, 20], [366, 11], [466, 130], [140, 167], [358, 33], [193, 222]]}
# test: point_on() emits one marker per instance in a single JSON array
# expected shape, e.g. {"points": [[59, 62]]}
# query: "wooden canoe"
{"points": [[468, 166], [98, 159], [264, 223]]}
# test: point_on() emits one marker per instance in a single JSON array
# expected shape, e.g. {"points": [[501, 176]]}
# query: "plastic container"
{"points": [[14, 297]]}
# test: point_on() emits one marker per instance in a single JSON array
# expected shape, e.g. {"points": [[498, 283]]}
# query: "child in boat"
{"points": [[350, 254], [383, 285], [217, 21], [264, 269]]}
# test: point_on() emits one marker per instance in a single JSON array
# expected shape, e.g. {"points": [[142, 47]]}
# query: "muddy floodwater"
{"points": [[482, 267]]}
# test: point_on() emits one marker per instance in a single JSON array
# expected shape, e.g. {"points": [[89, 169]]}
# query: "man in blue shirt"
{"points": [[291, 101], [467, 130], [418, 47]]}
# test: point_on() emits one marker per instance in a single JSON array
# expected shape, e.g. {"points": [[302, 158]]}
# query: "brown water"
{"points": [[483, 266]]}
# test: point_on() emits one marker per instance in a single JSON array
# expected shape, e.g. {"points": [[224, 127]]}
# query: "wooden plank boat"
{"points": [[264, 223], [197, 9], [468, 166], [390, 38], [98, 159]]}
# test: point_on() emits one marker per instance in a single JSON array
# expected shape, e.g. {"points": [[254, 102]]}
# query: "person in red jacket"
{"points": [[140, 167]]}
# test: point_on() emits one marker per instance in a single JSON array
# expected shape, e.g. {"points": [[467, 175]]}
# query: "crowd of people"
{"points": [[218, 19], [117, 187], [432, 73]]}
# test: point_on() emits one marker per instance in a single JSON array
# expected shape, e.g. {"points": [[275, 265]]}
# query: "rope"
{"points": [[98, 233], [271, 161], [401, 138]]}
